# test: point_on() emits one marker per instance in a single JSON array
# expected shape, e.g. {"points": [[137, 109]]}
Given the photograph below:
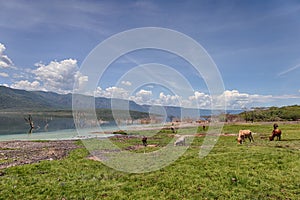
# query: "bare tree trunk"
{"points": [[30, 122]]}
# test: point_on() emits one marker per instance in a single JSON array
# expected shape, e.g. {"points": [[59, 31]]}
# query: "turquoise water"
{"points": [[14, 127], [73, 134], [66, 134]]}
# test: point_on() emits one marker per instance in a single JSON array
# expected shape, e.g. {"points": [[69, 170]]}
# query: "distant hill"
{"points": [[285, 113], [18, 100], [21, 99], [15, 99]]}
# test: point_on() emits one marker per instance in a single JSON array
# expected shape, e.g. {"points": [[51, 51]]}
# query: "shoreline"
{"points": [[72, 134]]}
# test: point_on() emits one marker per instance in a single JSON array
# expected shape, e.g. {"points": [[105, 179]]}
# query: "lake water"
{"points": [[16, 124], [15, 127]]}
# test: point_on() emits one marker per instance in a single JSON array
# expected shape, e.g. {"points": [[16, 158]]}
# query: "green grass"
{"points": [[259, 170]]}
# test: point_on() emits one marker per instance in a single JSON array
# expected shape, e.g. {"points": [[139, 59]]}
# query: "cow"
{"points": [[275, 133], [144, 141], [243, 134], [180, 141]]}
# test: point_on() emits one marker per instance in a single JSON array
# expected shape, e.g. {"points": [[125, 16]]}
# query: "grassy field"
{"points": [[259, 170]]}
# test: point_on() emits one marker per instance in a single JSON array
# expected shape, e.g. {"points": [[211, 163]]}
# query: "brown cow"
{"points": [[144, 140], [275, 133], [243, 134]]}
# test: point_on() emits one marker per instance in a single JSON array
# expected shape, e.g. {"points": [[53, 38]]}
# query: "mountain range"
{"points": [[16, 99]]}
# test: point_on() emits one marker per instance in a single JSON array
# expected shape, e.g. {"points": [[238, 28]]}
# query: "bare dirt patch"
{"points": [[13, 153]]}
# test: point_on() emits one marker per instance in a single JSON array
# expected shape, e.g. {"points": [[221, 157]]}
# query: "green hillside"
{"points": [[21, 99], [286, 113], [16, 100]]}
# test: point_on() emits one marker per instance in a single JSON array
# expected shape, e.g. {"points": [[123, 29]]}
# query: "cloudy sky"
{"points": [[255, 46]]}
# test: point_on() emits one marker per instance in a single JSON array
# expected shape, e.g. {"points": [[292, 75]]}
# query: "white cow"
{"points": [[180, 141]]}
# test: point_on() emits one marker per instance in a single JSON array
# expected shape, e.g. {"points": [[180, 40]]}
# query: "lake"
{"points": [[13, 126], [14, 123]]}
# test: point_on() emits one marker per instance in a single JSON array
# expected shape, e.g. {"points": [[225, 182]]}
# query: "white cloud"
{"points": [[232, 99], [116, 92], [236, 100], [59, 76], [127, 83], [286, 96], [3, 74], [199, 99], [142, 97], [112, 92], [4, 84], [5, 61], [171, 100], [80, 80], [289, 70], [98, 92], [26, 85]]}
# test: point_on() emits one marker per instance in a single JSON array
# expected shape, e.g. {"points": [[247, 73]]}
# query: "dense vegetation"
{"points": [[286, 113], [259, 170]]}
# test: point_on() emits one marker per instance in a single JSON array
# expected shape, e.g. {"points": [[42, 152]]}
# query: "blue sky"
{"points": [[254, 44]]}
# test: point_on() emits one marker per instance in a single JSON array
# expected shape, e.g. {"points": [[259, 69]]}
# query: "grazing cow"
{"points": [[243, 134], [173, 128], [180, 141], [275, 133], [144, 140]]}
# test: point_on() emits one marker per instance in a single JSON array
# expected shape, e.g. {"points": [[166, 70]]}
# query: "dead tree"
{"points": [[30, 122]]}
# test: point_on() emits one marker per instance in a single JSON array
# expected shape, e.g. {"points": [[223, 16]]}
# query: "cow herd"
{"points": [[243, 134]]}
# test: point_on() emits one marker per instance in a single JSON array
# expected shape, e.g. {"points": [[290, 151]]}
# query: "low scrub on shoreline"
{"points": [[285, 113]]}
